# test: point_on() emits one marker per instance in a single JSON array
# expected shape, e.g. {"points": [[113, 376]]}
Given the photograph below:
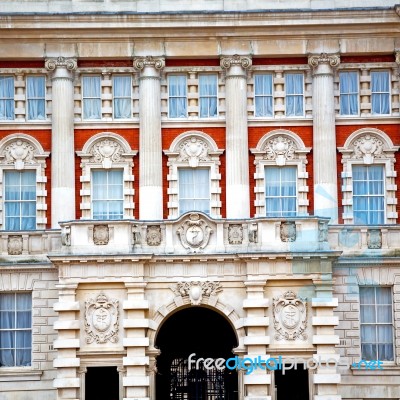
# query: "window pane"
{"points": [[20, 200], [280, 191], [35, 94], [91, 89], [348, 93], [194, 190], [6, 97], [122, 89], [208, 95], [263, 95], [177, 93], [107, 194], [380, 92]]}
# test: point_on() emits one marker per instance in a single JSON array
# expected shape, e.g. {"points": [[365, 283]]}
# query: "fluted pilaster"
{"points": [[62, 140], [324, 136], [237, 157], [150, 158]]}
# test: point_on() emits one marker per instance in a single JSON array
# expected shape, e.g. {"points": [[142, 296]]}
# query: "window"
{"points": [[6, 97], [348, 82], [376, 323], [91, 89], [36, 97], [280, 191], [380, 92], [194, 190], [294, 95], [263, 95], [208, 85], [107, 198], [368, 194], [20, 200], [122, 94], [177, 95], [15, 329]]}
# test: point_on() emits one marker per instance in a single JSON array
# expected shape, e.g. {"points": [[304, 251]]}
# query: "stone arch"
{"points": [[299, 144], [387, 142]]}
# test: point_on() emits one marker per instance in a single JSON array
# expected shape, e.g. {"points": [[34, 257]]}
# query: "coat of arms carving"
{"points": [[290, 317], [101, 234], [101, 319], [153, 235], [194, 233]]}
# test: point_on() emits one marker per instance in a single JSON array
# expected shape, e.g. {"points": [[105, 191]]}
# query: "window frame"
{"points": [[376, 324], [349, 94], [128, 97], [11, 99], [27, 98], [13, 367], [269, 74], [83, 97], [294, 95], [389, 93], [208, 96], [176, 97]]}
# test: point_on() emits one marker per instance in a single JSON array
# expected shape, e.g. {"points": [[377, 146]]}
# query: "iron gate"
{"points": [[198, 384]]}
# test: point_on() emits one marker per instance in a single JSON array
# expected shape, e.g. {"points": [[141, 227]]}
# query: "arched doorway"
{"points": [[202, 332]]}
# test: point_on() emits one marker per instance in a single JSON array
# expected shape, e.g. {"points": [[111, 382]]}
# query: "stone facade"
{"points": [[105, 283]]}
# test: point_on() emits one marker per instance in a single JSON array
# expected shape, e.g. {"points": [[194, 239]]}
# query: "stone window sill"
{"points": [[19, 374]]}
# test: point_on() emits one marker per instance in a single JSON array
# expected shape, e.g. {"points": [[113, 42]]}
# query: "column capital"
{"points": [[141, 63], [227, 62], [61, 62], [316, 60]]}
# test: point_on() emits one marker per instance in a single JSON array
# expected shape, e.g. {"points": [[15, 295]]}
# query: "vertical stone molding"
{"points": [[62, 139], [324, 137], [237, 156], [150, 147]]}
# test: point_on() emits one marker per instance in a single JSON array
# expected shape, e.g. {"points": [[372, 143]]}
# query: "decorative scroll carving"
{"points": [[66, 236], [101, 319], [19, 153], [288, 231], [290, 317], [101, 234], [106, 152], [280, 149], [153, 235], [374, 239], [243, 61], [196, 290], [193, 150], [322, 231], [69, 63], [332, 59], [14, 245], [235, 234], [194, 233], [367, 147], [148, 61]]}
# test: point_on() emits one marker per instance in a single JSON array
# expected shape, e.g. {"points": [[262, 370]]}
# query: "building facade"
{"points": [[184, 181]]}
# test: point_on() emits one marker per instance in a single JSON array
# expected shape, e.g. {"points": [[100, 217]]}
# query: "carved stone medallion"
{"points": [[195, 290], [101, 319], [101, 234], [19, 153], [14, 245], [368, 147], [194, 233], [235, 234], [290, 317], [374, 239], [193, 150], [106, 152], [153, 235], [280, 149], [288, 231]]}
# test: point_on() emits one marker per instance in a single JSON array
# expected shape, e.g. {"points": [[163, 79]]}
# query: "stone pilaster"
{"points": [[150, 146], [324, 136], [257, 385], [237, 155], [68, 380], [136, 381], [62, 140]]}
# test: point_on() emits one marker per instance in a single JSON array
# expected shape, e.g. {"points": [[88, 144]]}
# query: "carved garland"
{"points": [[196, 290]]}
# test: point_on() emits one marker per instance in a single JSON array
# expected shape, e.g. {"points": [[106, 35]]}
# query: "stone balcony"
{"points": [[196, 233]]}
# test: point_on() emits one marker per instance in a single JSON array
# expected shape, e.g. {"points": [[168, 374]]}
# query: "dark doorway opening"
{"points": [[207, 334], [293, 385], [102, 383]]}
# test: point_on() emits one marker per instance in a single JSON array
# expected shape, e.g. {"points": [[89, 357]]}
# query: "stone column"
{"points": [[324, 136], [150, 147], [62, 140], [237, 149]]}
